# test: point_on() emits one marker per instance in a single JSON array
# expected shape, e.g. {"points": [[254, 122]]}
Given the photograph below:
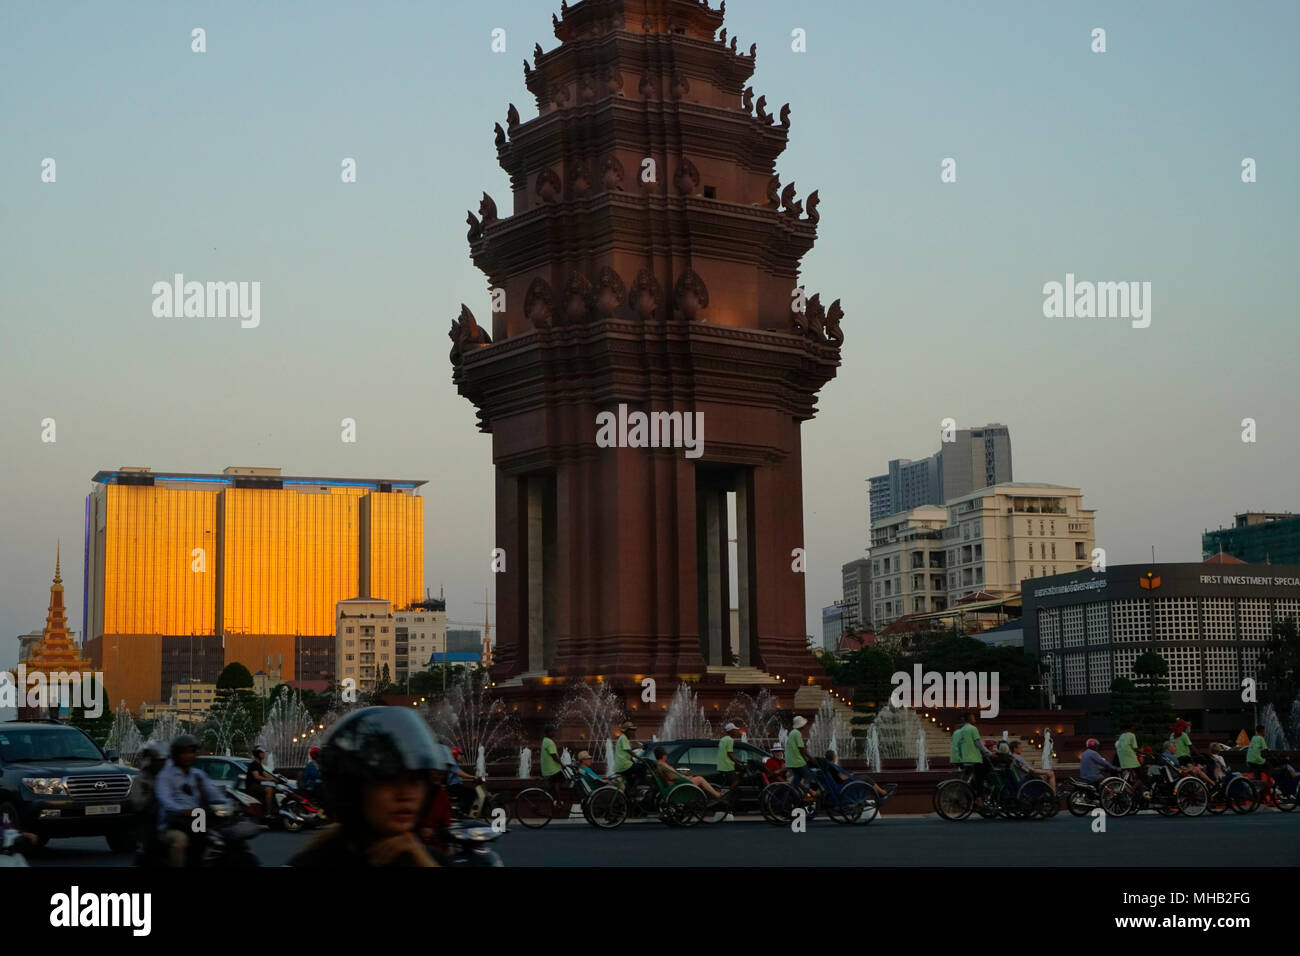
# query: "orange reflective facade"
{"points": [[275, 563], [393, 549], [150, 534], [288, 558]]}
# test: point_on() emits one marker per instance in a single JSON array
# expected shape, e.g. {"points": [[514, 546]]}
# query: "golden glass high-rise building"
{"points": [[185, 573]]}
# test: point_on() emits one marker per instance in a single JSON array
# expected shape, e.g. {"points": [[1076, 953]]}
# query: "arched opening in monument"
{"points": [[724, 515]]}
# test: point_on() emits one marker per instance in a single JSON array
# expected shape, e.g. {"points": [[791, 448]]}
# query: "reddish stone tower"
{"points": [[651, 262]]}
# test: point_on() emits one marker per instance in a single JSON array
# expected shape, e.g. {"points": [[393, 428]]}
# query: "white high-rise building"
{"points": [[907, 564], [998, 536]]}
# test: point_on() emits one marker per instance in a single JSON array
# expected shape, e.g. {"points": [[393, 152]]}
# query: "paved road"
{"points": [[1263, 838]]}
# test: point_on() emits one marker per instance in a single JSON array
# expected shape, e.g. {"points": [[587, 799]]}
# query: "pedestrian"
{"points": [[375, 771]]}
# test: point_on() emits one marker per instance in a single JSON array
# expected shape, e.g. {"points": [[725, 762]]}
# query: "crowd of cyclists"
{"points": [[1131, 779], [392, 791]]}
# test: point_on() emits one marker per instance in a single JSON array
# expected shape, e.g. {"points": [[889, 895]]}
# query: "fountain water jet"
{"points": [[684, 719]]}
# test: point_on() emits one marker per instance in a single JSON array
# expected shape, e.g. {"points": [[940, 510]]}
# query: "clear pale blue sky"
{"points": [[225, 165]]}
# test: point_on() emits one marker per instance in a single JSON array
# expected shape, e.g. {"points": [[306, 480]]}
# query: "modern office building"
{"points": [[856, 594], [1208, 621], [1257, 537], [832, 626], [186, 573], [464, 640], [975, 458], [421, 631], [907, 564], [998, 536], [366, 643]]}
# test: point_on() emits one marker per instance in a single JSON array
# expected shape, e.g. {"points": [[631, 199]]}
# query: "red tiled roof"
{"points": [[1223, 558]]}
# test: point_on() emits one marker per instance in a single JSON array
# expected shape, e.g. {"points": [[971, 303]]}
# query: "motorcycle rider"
{"points": [[374, 776], [143, 801], [254, 785], [309, 779], [181, 789]]}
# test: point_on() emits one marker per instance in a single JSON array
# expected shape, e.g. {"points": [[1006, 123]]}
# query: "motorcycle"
{"points": [[286, 816], [311, 812], [228, 838], [470, 842]]}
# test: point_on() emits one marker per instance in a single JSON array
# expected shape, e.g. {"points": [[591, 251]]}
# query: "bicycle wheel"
{"points": [[534, 808], [683, 805], [1033, 799], [1192, 796], [606, 808], [1240, 796], [1116, 798], [851, 802], [1285, 801], [954, 800], [1218, 802], [869, 802], [777, 802]]}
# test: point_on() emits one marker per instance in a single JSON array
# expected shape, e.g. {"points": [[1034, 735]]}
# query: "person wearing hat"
{"points": [[1183, 749], [375, 768], [143, 801], [775, 764], [797, 757], [731, 774], [587, 771], [1093, 767], [183, 788], [254, 786], [967, 750], [623, 749]]}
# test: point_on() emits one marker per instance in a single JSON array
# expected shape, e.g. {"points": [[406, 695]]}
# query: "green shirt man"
{"points": [[794, 750], [622, 754], [550, 758], [1126, 747], [963, 748], [1255, 755], [1183, 745], [725, 747]]}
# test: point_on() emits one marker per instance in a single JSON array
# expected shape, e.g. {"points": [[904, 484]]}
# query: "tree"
{"points": [[236, 709], [234, 676], [97, 728], [1155, 710], [1279, 671], [1123, 703]]}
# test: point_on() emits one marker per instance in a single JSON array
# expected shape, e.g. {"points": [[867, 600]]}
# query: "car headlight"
{"points": [[46, 786]]}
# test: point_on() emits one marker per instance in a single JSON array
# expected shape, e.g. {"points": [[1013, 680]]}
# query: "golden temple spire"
{"points": [[58, 548]]}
